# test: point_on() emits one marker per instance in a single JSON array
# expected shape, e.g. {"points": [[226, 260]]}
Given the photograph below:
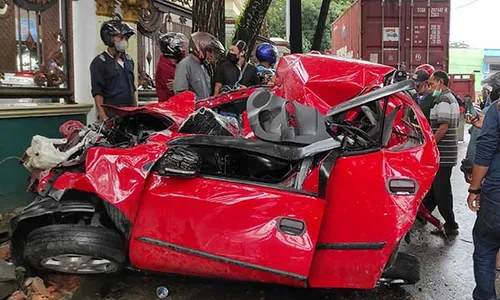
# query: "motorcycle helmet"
{"points": [[173, 44], [427, 68], [266, 52], [112, 28], [202, 42]]}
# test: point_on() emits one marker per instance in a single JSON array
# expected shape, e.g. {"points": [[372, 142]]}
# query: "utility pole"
{"points": [[296, 26], [287, 20]]}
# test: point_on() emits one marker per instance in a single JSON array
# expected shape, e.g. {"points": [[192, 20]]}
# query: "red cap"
{"points": [[427, 68]]}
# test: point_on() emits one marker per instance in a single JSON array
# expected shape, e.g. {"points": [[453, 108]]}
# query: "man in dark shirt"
{"points": [[444, 119], [424, 98], [174, 48], [250, 76], [484, 198], [112, 71], [233, 72]]}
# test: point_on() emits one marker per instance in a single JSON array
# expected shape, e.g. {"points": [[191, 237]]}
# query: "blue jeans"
{"points": [[486, 235]]}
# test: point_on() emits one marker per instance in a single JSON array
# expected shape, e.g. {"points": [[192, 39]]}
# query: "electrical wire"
{"points": [[465, 5], [9, 158]]}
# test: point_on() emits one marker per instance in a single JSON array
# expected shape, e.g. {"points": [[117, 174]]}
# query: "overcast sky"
{"points": [[476, 23]]}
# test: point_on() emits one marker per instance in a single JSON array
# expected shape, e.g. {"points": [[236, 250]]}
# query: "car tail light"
{"points": [[402, 186]]}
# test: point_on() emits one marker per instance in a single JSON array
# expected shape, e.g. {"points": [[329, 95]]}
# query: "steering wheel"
{"points": [[358, 126], [355, 138]]}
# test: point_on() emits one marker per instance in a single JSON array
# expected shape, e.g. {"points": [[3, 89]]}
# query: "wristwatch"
{"points": [[476, 191]]}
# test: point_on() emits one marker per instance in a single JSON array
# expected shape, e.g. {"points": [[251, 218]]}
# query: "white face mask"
{"points": [[121, 46]]}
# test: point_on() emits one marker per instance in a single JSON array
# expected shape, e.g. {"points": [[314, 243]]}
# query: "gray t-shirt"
{"points": [[446, 110], [191, 75]]}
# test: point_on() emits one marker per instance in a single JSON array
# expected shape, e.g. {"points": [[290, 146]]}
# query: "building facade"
{"points": [[491, 62], [233, 9], [467, 61]]}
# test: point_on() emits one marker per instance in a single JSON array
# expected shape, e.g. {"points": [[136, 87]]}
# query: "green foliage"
{"points": [[310, 13]]}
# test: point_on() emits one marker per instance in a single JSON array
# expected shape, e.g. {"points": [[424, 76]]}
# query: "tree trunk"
{"points": [[250, 22], [320, 26], [209, 16], [296, 26]]}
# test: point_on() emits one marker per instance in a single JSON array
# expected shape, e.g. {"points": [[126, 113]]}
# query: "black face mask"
{"points": [[233, 58]]}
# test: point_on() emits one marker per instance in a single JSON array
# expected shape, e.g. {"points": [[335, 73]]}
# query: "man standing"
{"points": [[174, 48], [444, 119], [485, 92], [112, 71], [266, 55], [233, 72], [191, 73], [249, 76], [486, 182], [474, 131], [424, 98]]}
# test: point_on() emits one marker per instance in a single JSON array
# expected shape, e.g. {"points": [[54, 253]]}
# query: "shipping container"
{"points": [[463, 85], [395, 32]]}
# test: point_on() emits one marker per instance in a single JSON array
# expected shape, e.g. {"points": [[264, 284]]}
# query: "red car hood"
{"points": [[324, 81]]}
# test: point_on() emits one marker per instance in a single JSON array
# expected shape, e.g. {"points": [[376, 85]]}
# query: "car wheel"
{"points": [[406, 268], [75, 249]]}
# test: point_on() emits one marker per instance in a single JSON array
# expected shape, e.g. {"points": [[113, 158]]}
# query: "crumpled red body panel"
{"points": [[177, 108], [325, 81], [115, 174], [225, 98]]}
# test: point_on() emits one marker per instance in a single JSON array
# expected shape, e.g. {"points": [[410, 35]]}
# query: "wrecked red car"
{"points": [[311, 183]]}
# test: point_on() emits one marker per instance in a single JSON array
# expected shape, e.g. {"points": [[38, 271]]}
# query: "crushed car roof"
{"points": [[323, 81]]}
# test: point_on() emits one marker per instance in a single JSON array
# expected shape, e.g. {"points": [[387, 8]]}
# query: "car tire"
{"points": [[75, 249], [405, 267]]}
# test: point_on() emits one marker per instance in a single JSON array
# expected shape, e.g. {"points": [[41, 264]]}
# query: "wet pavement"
{"points": [[446, 272]]}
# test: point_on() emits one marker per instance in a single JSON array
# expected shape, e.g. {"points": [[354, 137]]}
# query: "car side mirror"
{"points": [[180, 162]]}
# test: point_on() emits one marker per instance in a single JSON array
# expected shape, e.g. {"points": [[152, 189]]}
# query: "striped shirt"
{"points": [[446, 110]]}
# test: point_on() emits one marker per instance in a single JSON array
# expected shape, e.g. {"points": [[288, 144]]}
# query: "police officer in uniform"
{"points": [[112, 71]]}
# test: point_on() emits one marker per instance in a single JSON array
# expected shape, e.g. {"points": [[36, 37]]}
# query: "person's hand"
{"points": [[170, 84], [468, 178], [272, 81], [101, 116], [473, 202], [478, 122]]}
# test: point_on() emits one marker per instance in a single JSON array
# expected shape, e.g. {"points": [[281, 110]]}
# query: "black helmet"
{"points": [[173, 44], [112, 28], [203, 42]]}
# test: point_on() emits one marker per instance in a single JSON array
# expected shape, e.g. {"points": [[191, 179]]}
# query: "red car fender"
{"points": [[116, 175]]}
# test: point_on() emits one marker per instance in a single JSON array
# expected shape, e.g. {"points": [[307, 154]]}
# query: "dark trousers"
{"points": [[486, 236], [440, 195]]}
